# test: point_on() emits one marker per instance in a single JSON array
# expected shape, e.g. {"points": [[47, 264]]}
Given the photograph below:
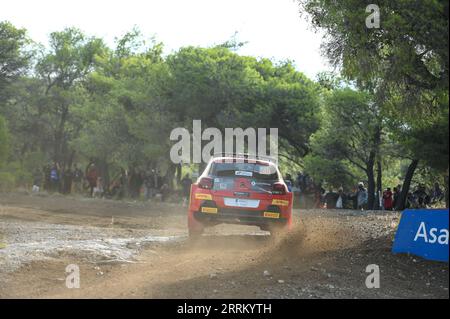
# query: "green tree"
{"points": [[409, 49], [224, 89], [423, 141], [13, 57], [349, 139], [126, 124], [64, 68], [404, 61]]}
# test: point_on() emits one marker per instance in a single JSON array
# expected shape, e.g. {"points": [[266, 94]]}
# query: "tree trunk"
{"points": [[371, 181], [401, 203], [70, 159], [59, 136]]}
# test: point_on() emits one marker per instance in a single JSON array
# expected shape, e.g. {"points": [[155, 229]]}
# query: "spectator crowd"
{"points": [[314, 195], [137, 183], [128, 183]]}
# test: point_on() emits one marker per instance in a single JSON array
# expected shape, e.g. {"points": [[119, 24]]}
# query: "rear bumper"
{"points": [[272, 210], [235, 216]]}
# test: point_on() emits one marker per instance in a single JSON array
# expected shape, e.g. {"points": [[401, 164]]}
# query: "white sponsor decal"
{"points": [[239, 202], [433, 235], [243, 173]]}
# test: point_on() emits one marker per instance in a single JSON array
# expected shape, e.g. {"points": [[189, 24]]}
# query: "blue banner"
{"points": [[423, 232]]}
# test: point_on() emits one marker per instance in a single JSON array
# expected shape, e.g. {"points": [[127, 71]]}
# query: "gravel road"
{"points": [[141, 250]]}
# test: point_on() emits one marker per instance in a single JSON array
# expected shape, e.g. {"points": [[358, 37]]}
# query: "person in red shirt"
{"points": [[91, 177], [387, 199]]}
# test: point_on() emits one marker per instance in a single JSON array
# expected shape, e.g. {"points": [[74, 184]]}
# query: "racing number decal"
{"points": [[271, 215], [280, 202], [203, 196], [209, 210]]}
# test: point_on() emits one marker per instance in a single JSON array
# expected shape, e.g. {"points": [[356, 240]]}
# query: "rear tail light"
{"points": [[205, 183], [279, 189]]}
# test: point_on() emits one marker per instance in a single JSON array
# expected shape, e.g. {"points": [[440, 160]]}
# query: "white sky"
{"points": [[273, 28]]}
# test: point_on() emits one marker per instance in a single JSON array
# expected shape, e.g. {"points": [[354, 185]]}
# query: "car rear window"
{"points": [[254, 171]]}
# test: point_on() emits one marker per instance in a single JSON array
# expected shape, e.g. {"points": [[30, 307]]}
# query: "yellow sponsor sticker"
{"points": [[209, 210], [280, 202], [203, 196], [271, 215]]}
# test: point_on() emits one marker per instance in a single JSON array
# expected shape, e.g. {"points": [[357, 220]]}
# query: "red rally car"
{"points": [[240, 190]]}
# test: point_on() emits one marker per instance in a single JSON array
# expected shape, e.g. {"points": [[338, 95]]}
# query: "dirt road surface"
{"points": [[141, 250]]}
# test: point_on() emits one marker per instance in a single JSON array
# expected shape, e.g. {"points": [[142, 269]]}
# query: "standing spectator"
{"points": [[361, 196], [331, 199], [396, 196], [98, 189], [319, 192], [91, 177], [353, 197], [118, 186], [289, 182], [437, 194], [421, 196], [186, 185], [342, 199], [387, 199], [116, 189], [300, 183], [411, 201], [78, 179], [54, 178]]}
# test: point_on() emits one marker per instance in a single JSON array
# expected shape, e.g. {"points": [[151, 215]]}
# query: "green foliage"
{"points": [[346, 146], [13, 59], [64, 69], [404, 63], [7, 181], [350, 122], [83, 101], [410, 47], [15, 174], [334, 173], [427, 141]]}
